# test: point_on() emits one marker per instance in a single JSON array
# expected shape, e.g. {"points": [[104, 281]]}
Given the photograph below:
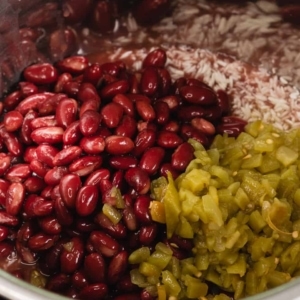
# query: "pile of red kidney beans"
{"points": [[75, 135]]}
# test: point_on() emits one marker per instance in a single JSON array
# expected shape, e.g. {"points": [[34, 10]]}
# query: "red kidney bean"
{"points": [[85, 225], [117, 231], [72, 255], [64, 216], [45, 121], [93, 73], [54, 176], [152, 159], [72, 134], [41, 242], [29, 154], [145, 110], [89, 104], [118, 145], [156, 58], [162, 112], [43, 73], [12, 100], [203, 125], [32, 102], [150, 82], [182, 156], [144, 140], [69, 186], [79, 280], [114, 88], [129, 218], [113, 68], [186, 244], [104, 244], [97, 176], [18, 173], [187, 113], [13, 120], [85, 165], [4, 184], [34, 184], [123, 162], [171, 126], [126, 103], [28, 88], [127, 127], [25, 132], [141, 209], [58, 283], [112, 114], [6, 249], [233, 120], [212, 113], [86, 200], [138, 179], [102, 17], [4, 232], [166, 168], [189, 132], [5, 161], [7, 219], [118, 180], [87, 91], [74, 64], [39, 168], [223, 102], [198, 95], [61, 81], [89, 122], [117, 267], [36, 206], [168, 139], [92, 144], [105, 185], [49, 104], [71, 88], [50, 225], [232, 129], [11, 142], [148, 12], [165, 81], [94, 291], [52, 256], [147, 234], [66, 112], [95, 268], [46, 153], [66, 156], [14, 198], [51, 135], [54, 194]]}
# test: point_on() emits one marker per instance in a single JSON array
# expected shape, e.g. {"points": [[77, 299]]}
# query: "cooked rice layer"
{"points": [[253, 32]]}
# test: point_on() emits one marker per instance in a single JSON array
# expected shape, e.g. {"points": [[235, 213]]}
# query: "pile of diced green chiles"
{"points": [[240, 203]]}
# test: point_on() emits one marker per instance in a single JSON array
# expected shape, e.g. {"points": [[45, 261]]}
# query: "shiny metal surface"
{"points": [[16, 289]]}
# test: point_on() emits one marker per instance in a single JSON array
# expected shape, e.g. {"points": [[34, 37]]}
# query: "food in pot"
{"points": [[81, 143]]}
